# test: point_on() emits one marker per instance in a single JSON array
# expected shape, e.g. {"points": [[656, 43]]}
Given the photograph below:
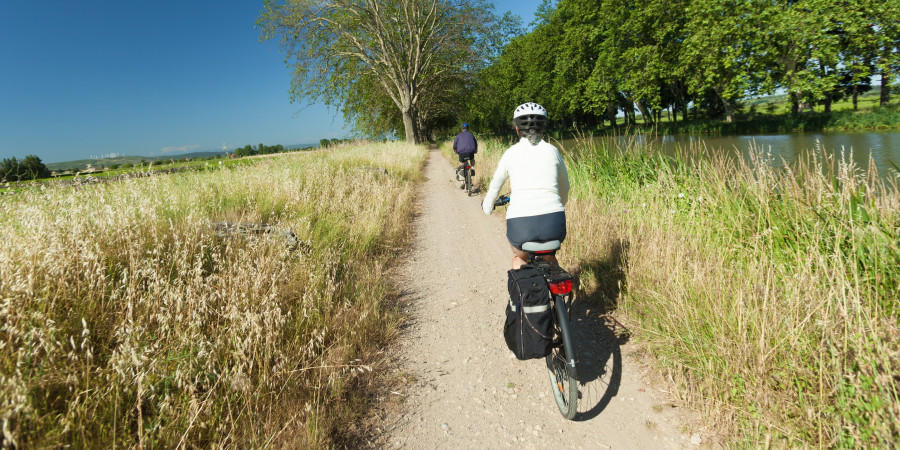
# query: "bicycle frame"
{"points": [[560, 284], [562, 362]]}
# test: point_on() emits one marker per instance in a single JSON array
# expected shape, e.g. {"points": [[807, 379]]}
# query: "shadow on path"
{"points": [[598, 335]]}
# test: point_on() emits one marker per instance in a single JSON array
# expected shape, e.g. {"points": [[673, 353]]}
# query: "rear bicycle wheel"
{"points": [[561, 363], [468, 181]]}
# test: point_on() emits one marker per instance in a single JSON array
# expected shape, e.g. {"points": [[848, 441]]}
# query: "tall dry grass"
{"points": [[128, 321], [769, 297]]}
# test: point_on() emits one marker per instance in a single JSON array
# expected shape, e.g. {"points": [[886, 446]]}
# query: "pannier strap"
{"points": [[529, 309]]}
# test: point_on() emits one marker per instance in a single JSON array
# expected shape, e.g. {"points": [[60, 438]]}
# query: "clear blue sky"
{"points": [[94, 77]]}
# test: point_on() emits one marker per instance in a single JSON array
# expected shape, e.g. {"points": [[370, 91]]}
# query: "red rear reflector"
{"points": [[561, 287]]}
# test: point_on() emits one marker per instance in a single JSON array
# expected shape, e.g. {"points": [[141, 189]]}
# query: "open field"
{"points": [[129, 319], [768, 298]]}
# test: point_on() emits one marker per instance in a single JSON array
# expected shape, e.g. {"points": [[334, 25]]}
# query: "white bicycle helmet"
{"points": [[531, 120], [529, 108]]}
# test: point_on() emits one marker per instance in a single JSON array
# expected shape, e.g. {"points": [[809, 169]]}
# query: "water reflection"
{"points": [[882, 146]]}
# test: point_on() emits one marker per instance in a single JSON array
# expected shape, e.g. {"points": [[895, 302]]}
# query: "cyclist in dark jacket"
{"points": [[465, 145]]}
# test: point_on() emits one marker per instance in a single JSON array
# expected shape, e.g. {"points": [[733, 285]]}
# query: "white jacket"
{"points": [[538, 181]]}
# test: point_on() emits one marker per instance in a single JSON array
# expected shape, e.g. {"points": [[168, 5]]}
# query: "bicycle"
{"points": [[561, 362], [468, 173]]}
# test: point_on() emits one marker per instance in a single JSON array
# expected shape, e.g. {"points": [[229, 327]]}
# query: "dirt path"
{"points": [[468, 391]]}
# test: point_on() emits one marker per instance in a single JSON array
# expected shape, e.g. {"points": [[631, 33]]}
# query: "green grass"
{"points": [[769, 297]]}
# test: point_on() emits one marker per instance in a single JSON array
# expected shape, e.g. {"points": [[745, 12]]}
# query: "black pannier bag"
{"points": [[529, 327]]}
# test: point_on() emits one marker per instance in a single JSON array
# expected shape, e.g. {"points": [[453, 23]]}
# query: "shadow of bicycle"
{"points": [[598, 336]]}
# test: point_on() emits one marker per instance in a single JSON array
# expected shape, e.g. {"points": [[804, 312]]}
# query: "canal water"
{"points": [[882, 146]]}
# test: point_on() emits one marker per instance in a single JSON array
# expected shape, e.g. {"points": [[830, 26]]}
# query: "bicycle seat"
{"points": [[546, 246]]}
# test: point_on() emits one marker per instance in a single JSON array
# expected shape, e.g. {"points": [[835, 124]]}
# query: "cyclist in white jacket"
{"points": [[538, 182]]}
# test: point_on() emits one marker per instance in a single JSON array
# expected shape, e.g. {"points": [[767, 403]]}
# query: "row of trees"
{"points": [[30, 168], [585, 60], [260, 149], [325, 143], [411, 67]]}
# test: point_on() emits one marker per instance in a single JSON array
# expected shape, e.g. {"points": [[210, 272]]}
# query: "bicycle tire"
{"points": [[561, 363], [468, 182]]}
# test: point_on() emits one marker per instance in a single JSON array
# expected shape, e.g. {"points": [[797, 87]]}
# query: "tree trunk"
{"points": [[409, 125], [611, 114], [826, 102], [679, 101], [855, 95], [421, 129], [726, 103], [885, 88], [645, 114], [795, 104]]}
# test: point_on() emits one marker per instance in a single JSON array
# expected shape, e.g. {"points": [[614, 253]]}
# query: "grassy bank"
{"points": [[885, 118], [129, 320], [770, 298]]}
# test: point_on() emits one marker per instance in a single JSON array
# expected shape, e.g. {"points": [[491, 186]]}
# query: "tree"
{"points": [[858, 50], [802, 46], [32, 168], [9, 170], [884, 21], [720, 50], [246, 150], [400, 49]]}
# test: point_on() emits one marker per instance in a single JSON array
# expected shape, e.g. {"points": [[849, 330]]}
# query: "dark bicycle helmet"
{"points": [[531, 120]]}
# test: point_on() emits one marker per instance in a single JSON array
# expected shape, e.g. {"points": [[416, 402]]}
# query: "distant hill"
{"points": [[103, 162], [135, 159]]}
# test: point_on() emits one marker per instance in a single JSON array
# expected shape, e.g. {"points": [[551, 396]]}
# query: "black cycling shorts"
{"points": [[464, 156], [545, 227]]}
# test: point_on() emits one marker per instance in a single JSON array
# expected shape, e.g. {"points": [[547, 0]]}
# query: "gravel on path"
{"points": [[466, 389]]}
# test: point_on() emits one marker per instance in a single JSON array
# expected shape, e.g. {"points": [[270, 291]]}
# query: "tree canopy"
{"points": [[587, 59], [31, 168], [388, 63]]}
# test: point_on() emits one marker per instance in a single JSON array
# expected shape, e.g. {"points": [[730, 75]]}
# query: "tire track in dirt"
{"points": [[467, 389]]}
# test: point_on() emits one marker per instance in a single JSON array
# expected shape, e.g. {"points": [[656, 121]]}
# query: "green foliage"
{"points": [[246, 150], [587, 61], [384, 60], [31, 168]]}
